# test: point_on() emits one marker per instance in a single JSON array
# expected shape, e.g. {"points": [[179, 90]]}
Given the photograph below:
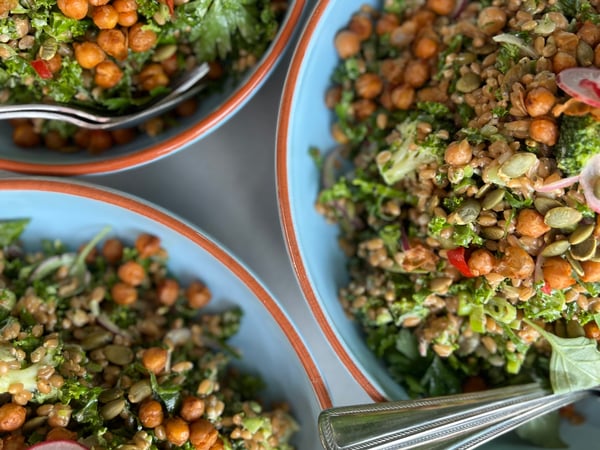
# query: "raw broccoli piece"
{"points": [[578, 141], [407, 154]]}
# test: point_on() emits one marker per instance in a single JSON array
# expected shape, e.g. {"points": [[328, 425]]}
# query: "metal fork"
{"points": [[458, 422], [185, 87]]}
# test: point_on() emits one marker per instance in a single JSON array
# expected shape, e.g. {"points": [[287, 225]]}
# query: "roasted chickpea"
{"points": [[187, 108], [88, 54], [54, 140], [347, 43], [192, 408], [61, 434], [416, 73], [147, 245], [441, 7], [99, 141], [132, 273], [361, 25], [458, 153], [123, 136], [167, 292], [151, 413], [105, 17], [592, 331], [154, 359], [425, 47], [12, 416], [107, 74], [591, 271], [481, 262], [516, 263], [386, 24], [543, 130], [24, 135], [54, 63], [140, 38], [113, 42], [153, 76], [112, 250], [198, 294], [73, 9], [531, 223], [491, 20], [177, 431], [539, 101], [403, 96], [203, 434], [557, 273], [562, 61], [123, 294], [368, 85]]}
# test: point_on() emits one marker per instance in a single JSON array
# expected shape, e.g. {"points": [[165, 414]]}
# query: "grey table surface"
{"points": [[225, 184]]}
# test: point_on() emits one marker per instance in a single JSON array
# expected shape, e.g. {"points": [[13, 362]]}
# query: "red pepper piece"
{"points": [[42, 68], [546, 289], [457, 257]]}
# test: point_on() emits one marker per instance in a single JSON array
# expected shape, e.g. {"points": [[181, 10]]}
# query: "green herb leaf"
{"points": [[10, 230], [574, 362]]}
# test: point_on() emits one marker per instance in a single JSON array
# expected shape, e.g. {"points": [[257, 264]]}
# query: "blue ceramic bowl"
{"points": [[320, 265], [212, 112], [270, 345]]}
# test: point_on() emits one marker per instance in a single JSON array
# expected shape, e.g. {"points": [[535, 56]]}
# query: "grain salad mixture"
{"points": [[465, 187], [115, 56], [103, 346]]}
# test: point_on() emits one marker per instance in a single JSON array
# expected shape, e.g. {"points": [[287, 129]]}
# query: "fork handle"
{"points": [[423, 423]]}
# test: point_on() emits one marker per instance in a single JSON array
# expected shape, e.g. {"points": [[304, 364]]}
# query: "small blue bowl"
{"points": [[320, 265], [213, 111], [271, 347]]}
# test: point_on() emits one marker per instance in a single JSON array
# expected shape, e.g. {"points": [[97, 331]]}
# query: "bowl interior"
{"points": [[213, 111], [270, 346], [319, 263]]}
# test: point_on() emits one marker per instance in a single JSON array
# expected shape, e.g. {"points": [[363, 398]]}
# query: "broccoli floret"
{"points": [[578, 141], [27, 373], [407, 154]]}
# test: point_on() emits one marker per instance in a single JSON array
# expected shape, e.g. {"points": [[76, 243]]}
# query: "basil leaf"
{"points": [[10, 230], [574, 363]]}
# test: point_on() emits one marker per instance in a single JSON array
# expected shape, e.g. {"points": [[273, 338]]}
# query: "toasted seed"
{"points": [[468, 82], [164, 52], [562, 217], [112, 409], [575, 265], [493, 233], [110, 394], [96, 339], [518, 164], [581, 233], [545, 204], [492, 199], [467, 212], [584, 250], [119, 354], [555, 248], [139, 391]]}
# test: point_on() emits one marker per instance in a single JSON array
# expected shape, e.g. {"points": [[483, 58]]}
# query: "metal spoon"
{"points": [[462, 421], [186, 87]]}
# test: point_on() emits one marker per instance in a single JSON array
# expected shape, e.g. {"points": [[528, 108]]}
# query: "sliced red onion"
{"points": [[58, 445], [459, 8], [581, 83], [515, 40], [589, 176], [558, 184]]}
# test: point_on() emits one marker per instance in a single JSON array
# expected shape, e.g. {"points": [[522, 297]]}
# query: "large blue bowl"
{"points": [[214, 110], [320, 265], [270, 345]]}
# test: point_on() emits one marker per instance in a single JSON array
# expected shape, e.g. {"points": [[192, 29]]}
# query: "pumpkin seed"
{"points": [[584, 53], [110, 394], [581, 233], [493, 233], [556, 248], [562, 217], [574, 329], [575, 265], [96, 339], [518, 164], [468, 82], [466, 213], [112, 409], [545, 204], [164, 52], [118, 354], [584, 250], [48, 49], [139, 391], [596, 257], [492, 199]]}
